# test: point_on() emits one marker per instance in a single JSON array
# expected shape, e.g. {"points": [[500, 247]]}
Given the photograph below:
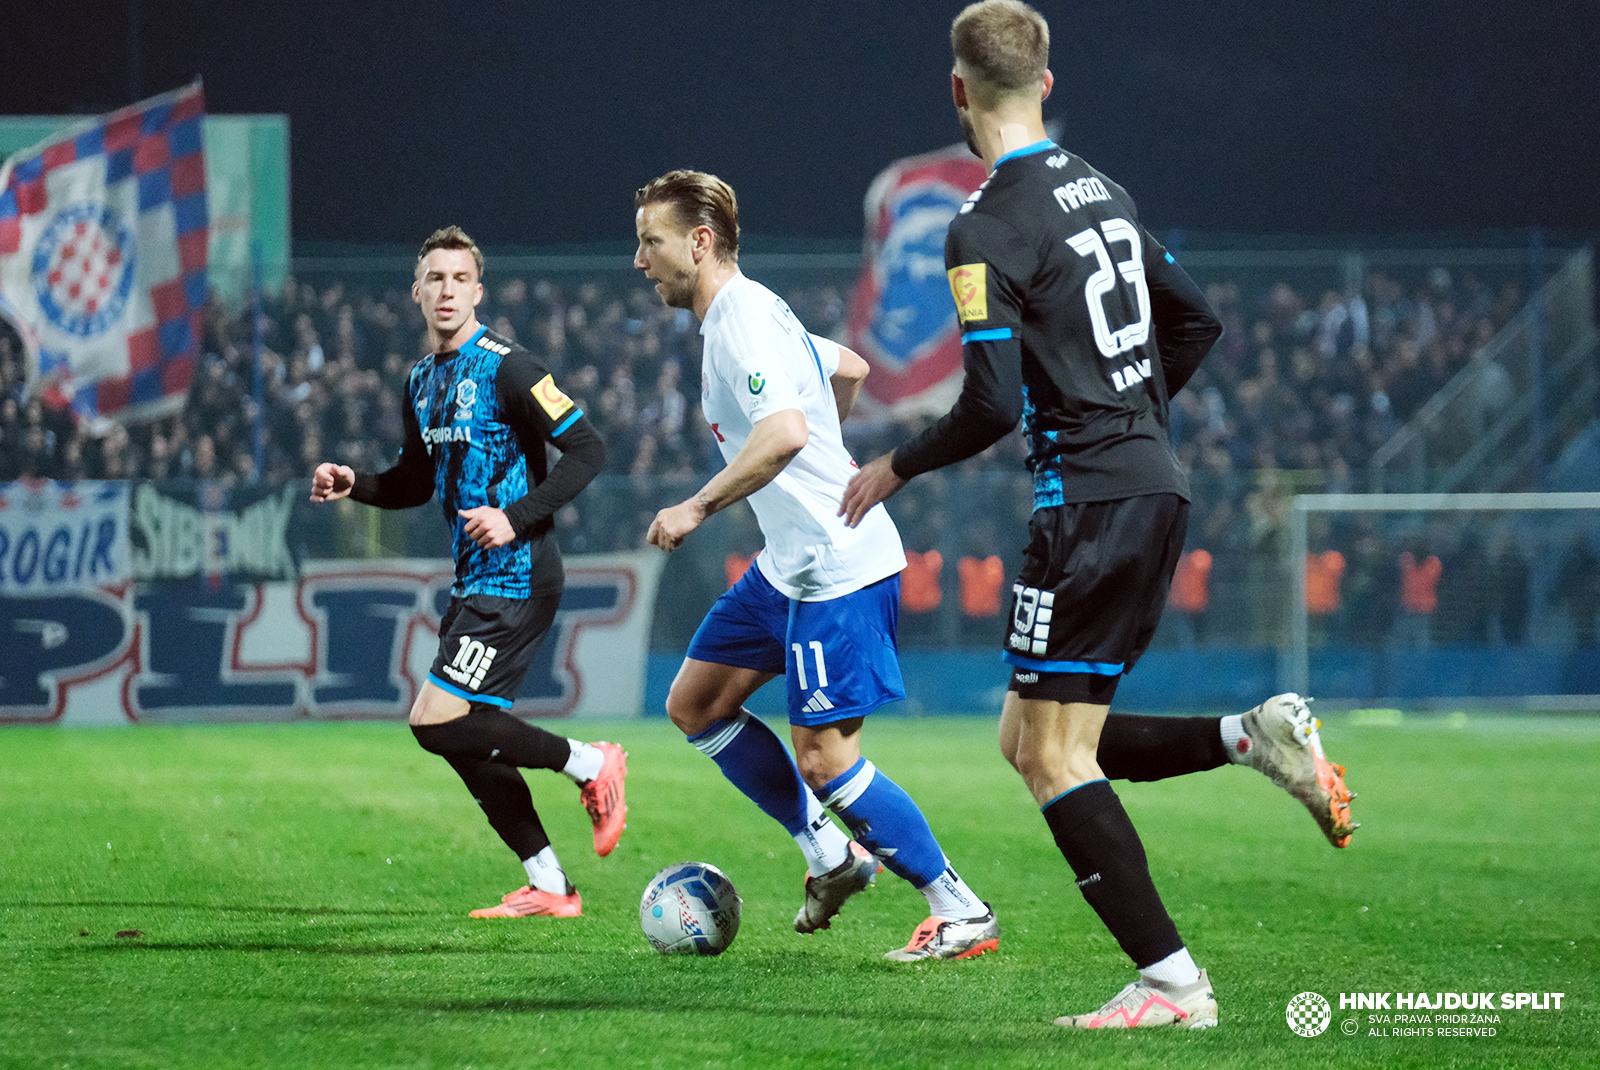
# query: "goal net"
{"points": [[1450, 600]]}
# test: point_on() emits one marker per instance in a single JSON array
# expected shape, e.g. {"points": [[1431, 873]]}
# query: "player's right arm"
{"points": [[774, 441], [408, 483]]}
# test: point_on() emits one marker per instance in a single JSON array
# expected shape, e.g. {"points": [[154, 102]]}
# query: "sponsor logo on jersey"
{"points": [[1058, 161], [432, 436], [1026, 677], [550, 398], [969, 285], [757, 383], [493, 346]]}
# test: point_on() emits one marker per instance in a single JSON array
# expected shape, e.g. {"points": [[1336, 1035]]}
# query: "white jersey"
{"points": [[759, 361]]}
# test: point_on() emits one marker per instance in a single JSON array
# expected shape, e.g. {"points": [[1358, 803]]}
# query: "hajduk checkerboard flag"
{"points": [[103, 256]]}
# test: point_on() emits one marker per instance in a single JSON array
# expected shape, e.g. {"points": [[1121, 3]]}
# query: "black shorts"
{"points": [[1087, 600], [487, 643]]}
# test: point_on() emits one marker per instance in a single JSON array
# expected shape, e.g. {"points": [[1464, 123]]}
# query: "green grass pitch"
{"points": [[300, 895]]}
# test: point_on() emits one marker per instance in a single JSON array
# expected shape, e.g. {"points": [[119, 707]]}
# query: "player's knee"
{"points": [[814, 768], [691, 715], [1029, 762]]}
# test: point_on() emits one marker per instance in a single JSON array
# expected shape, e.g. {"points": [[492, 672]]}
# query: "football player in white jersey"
{"points": [[820, 603]]}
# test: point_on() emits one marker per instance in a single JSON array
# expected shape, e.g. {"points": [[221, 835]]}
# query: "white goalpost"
{"points": [[1538, 636]]}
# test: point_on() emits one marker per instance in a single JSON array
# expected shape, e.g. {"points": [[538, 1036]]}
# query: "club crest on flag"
{"points": [[902, 319], [83, 269], [103, 235]]}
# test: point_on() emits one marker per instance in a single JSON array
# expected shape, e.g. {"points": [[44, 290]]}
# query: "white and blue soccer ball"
{"points": [[690, 908]]}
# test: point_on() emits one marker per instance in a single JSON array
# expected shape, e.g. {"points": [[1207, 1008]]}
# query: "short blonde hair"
{"points": [[452, 237], [699, 200], [1004, 45]]}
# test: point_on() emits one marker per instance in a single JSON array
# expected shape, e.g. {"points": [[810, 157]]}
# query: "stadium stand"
{"points": [[1320, 374]]}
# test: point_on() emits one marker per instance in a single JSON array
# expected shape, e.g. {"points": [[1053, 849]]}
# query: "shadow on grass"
{"points": [[141, 945], [652, 1005], [212, 908]]}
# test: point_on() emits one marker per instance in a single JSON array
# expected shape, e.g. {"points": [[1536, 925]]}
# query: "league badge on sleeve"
{"points": [[969, 285], [554, 403]]}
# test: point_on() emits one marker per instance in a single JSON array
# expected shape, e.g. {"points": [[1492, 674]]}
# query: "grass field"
{"points": [[300, 896]]}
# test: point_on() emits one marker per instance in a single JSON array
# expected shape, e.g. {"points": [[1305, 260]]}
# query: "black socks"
{"points": [[1139, 747], [485, 748], [491, 734], [1099, 842]]}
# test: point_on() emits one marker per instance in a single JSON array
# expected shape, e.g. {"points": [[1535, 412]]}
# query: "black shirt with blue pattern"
{"points": [[477, 420]]}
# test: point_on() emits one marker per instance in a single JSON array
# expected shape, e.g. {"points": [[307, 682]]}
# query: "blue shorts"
{"points": [[839, 656]]}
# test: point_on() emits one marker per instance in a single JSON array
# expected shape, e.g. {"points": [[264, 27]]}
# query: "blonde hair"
{"points": [[699, 200], [1004, 46]]}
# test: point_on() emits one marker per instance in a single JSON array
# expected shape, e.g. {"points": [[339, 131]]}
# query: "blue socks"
{"points": [[756, 762], [884, 820]]}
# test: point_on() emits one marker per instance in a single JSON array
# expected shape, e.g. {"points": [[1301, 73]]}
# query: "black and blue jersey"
{"points": [[1074, 319], [477, 420]]}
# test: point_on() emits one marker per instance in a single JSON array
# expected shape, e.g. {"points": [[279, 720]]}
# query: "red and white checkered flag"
{"points": [[103, 233]]}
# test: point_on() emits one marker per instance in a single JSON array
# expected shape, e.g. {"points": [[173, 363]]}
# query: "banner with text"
{"points": [[62, 536], [343, 639]]}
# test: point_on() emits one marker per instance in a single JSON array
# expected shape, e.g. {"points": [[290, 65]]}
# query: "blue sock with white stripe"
{"points": [[885, 820], [756, 762]]}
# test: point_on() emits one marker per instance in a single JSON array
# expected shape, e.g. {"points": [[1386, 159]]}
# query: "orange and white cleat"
{"points": [[526, 902], [1284, 743], [1140, 1005], [942, 938], [605, 799]]}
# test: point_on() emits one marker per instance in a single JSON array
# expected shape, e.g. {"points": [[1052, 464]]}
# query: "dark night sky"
{"points": [[531, 126]]}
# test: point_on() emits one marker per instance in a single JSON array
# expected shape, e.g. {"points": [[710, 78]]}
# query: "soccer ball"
{"points": [[690, 909]]}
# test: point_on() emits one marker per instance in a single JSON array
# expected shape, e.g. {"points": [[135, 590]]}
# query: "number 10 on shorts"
{"points": [[472, 660], [800, 663]]}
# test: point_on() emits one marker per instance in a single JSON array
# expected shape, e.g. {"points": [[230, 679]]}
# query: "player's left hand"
{"points": [[672, 524], [487, 526], [867, 488]]}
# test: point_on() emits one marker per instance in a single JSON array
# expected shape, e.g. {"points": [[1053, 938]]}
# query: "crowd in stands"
{"points": [[1298, 395]]}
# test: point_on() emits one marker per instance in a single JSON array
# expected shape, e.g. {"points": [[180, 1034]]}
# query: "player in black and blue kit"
{"points": [[479, 412], [1078, 323]]}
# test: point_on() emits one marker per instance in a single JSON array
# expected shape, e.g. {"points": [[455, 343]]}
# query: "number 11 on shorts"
{"points": [[800, 663]]}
